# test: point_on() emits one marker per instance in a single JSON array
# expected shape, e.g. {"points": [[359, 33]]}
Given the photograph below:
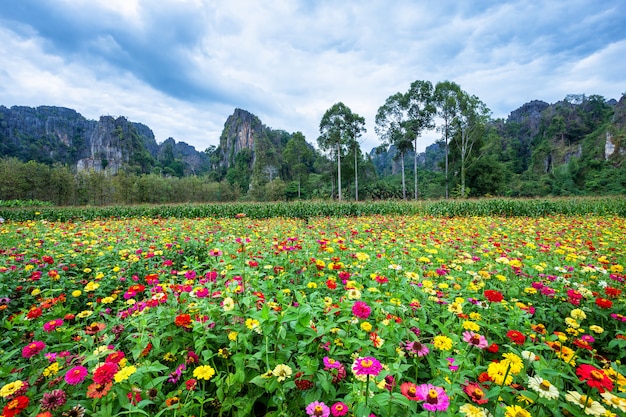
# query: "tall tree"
{"points": [[391, 126], [446, 100], [421, 109], [299, 157], [340, 128], [470, 123]]}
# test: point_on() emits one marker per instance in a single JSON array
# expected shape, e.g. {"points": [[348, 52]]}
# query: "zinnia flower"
{"points": [[497, 372], [11, 388], [493, 296], [282, 372], [416, 348], [330, 363], [361, 310], [543, 387], [594, 377], [367, 366], [516, 337], [318, 409], [589, 406], [475, 392], [105, 373], [96, 390], [53, 399], [515, 411], [409, 390], [33, 348], [339, 409], [15, 406], [442, 342], [475, 339], [52, 325], [205, 372], [435, 398], [76, 375]]}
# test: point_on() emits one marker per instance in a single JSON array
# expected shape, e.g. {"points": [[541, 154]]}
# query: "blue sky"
{"points": [[182, 66]]}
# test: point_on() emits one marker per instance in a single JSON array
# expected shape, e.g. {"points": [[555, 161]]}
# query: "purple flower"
{"points": [[318, 409], [435, 398], [367, 366], [475, 339]]}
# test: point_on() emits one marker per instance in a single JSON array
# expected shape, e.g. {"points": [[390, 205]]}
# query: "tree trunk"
{"points": [[403, 183], [446, 133], [415, 168], [356, 177], [339, 169]]}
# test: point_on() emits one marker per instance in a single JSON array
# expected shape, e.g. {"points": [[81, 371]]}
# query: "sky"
{"points": [[181, 67]]}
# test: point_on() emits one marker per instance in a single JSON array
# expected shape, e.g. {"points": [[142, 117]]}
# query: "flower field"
{"points": [[369, 315]]}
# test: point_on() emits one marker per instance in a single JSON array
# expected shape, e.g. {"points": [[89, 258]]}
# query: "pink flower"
{"points": [[361, 310], [76, 375], [339, 409], [33, 348], [475, 339], [416, 348], [318, 409], [435, 398], [330, 363], [52, 325], [367, 366]]}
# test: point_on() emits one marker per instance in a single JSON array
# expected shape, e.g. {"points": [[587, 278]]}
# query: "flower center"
{"points": [[366, 363], [478, 392], [432, 397], [339, 407], [412, 390], [12, 404], [319, 411], [545, 385], [597, 375], [583, 400]]}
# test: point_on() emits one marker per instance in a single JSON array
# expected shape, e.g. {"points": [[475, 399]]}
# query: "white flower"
{"points": [[543, 387]]}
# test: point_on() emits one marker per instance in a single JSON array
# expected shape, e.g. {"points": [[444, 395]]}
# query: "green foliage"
{"points": [[580, 206]]}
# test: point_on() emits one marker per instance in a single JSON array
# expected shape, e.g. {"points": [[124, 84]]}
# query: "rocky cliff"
{"points": [[51, 134]]}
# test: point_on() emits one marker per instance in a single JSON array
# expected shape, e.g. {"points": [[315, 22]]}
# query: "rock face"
{"points": [[239, 133], [529, 117], [51, 134]]}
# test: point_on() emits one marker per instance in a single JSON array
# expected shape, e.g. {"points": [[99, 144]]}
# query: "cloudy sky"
{"points": [[182, 66]]}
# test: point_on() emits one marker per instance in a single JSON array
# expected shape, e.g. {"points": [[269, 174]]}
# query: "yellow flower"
{"points": [[232, 336], [205, 372], [516, 411], [442, 342], [497, 372], [91, 286], [53, 369], [455, 308], [596, 329], [124, 373], [311, 285], [282, 372], [228, 304], [473, 411], [470, 325], [515, 361], [572, 323], [252, 324], [76, 293], [169, 357], [366, 326], [35, 292], [578, 314], [10, 388], [475, 316]]}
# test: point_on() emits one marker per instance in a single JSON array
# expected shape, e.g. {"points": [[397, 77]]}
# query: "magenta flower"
{"points": [[330, 363], [53, 399], [339, 409], [475, 339], [52, 325], [361, 310], [76, 375], [318, 409], [435, 398], [416, 348], [33, 348], [367, 366]]}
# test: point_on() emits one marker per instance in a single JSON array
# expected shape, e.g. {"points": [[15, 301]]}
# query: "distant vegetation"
{"points": [[575, 147]]}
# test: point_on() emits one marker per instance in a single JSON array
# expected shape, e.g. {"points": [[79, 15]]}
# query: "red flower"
{"points": [[493, 348], [15, 406], [494, 296], [105, 373], [612, 292], [516, 337], [476, 393], [604, 303], [183, 320], [594, 377], [409, 390]]}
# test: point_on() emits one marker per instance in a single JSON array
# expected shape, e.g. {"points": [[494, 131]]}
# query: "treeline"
{"points": [[63, 186]]}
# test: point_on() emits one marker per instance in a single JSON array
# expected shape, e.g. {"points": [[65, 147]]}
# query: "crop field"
{"points": [[357, 315]]}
